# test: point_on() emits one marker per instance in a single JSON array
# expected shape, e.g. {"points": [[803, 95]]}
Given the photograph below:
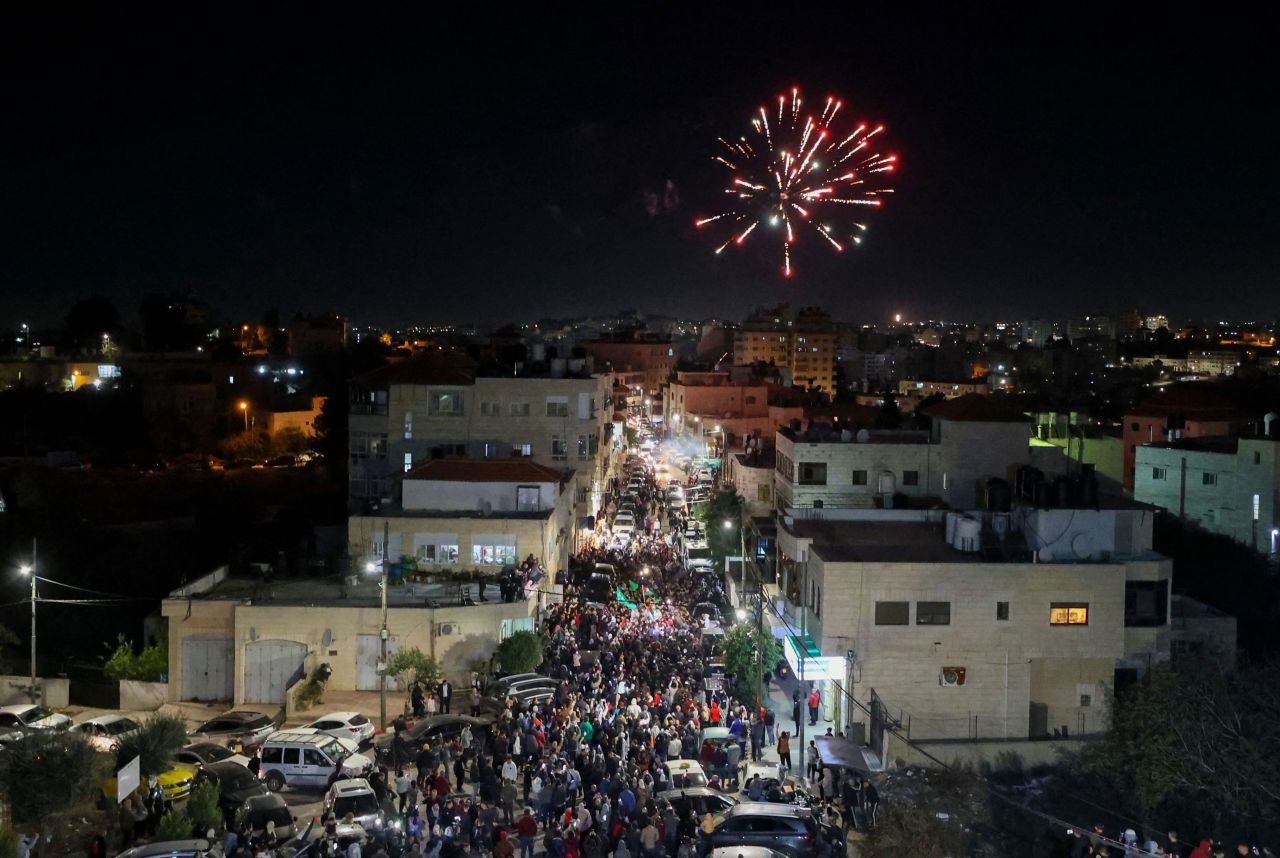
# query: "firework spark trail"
{"points": [[797, 157]]}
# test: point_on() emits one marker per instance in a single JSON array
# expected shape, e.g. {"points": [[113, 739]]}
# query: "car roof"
{"points": [[684, 766], [342, 716], [299, 737], [347, 786], [768, 808], [102, 719], [241, 714], [167, 846], [715, 732], [18, 708], [692, 791]]}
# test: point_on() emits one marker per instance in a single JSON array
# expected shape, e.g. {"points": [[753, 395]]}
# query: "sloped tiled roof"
{"points": [[976, 408], [484, 471]]}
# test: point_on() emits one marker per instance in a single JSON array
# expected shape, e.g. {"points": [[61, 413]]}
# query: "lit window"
{"points": [[559, 449], [1064, 614], [1257, 506], [408, 461], [447, 404], [408, 425]]}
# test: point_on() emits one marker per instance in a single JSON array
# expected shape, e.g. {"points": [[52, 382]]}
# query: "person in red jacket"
{"points": [[527, 831], [815, 700]]}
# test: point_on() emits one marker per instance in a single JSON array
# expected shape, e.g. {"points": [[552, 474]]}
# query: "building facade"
{"points": [[803, 342], [1227, 485]]}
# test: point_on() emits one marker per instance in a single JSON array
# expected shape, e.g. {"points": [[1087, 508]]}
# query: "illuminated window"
{"points": [[447, 404], [1257, 506], [1069, 614]]}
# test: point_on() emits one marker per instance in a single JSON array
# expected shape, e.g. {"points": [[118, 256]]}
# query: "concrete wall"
{"points": [[54, 692], [143, 696], [992, 752], [478, 628], [973, 452], [1045, 663], [842, 459], [748, 481]]}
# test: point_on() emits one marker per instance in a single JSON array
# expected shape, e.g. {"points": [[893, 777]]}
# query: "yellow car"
{"points": [[174, 784]]}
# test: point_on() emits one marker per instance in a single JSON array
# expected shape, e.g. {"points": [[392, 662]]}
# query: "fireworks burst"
{"points": [[797, 175]]}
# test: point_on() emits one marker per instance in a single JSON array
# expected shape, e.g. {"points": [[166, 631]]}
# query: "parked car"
{"points": [[746, 852], [785, 828], [106, 731], [503, 687], [28, 716], [203, 753], [682, 774], [305, 759], [174, 784], [10, 735], [356, 797], [236, 784], [698, 800], [356, 765], [169, 849], [433, 731], [254, 814], [345, 725], [524, 698], [245, 727]]}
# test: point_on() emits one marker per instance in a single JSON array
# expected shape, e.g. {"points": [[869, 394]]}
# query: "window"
{"points": [[291, 756], [518, 409], [408, 425], [933, 613], [1257, 506], [446, 404], [764, 492], [408, 462], [493, 555], [893, 613], [359, 447], [1158, 473], [1002, 611], [312, 757], [522, 449], [528, 498], [1069, 614], [1146, 603], [1136, 427], [1208, 479], [1257, 457], [446, 554], [490, 409], [859, 478], [559, 449], [911, 478], [584, 447], [272, 755], [557, 406], [378, 446], [425, 554], [813, 473]]}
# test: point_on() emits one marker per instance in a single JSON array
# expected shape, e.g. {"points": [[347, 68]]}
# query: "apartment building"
{"points": [[471, 514], [972, 439], [711, 405], [441, 405], [803, 342], [1224, 484], [967, 636], [651, 358], [1179, 411]]}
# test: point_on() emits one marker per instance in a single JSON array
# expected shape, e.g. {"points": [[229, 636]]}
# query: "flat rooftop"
{"points": [[901, 542], [336, 592]]}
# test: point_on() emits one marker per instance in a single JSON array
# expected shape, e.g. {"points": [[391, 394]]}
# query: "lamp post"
{"points": [[31, 570], [244, 409], [383, 634]]}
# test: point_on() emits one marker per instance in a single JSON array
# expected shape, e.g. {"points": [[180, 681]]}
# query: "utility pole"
{"points": [[382, 633], [33, 620]]}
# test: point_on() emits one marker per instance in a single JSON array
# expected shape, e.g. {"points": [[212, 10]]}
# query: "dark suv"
{"points": [[784, 827]]}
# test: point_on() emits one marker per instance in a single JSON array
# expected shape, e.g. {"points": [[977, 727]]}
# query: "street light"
{"points": [[741, 613], [244, 408]]}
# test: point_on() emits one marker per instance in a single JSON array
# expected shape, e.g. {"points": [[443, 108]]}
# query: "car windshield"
{"points": [[699, 553], [211, 753], [358, 721], [718, 818], [357, 805], [334, 749], [36, 713]]}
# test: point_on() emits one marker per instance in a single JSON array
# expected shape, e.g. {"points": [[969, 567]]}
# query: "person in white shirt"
{"points": [[509, 771]]}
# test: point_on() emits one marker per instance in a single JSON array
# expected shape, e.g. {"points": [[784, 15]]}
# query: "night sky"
{"points": [[496, 167]]}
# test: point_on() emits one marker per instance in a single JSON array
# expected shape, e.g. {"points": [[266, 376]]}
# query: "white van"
{"points": [[291, 758]]}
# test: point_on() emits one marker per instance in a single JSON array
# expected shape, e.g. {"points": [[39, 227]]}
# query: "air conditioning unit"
{"points": [[951, 677], [446, 629]]}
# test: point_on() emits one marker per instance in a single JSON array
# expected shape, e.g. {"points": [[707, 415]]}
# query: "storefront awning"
{"points": [[809, 663]]}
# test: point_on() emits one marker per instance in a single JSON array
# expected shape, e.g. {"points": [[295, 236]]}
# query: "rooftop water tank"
{"points": [[968, 535]]}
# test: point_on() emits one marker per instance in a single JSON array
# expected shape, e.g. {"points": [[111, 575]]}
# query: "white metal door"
{"points": [[268, 666], [367, 653], [206, 669]]}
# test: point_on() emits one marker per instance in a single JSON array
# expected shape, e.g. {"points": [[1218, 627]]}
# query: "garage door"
{"points": [[368, 648], [268, 668], [206, 669]]}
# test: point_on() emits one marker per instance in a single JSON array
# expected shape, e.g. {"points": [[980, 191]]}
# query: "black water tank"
{"points": [[999, 495]]}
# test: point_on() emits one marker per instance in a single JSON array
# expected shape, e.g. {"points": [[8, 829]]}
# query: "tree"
{"points": [[48, 775], [202, 806], [147, 666], [174, 825], [89, 319], [1194, 743], [159, 739], [521, 652], [748, 653], [413, 665], [724, 506]]}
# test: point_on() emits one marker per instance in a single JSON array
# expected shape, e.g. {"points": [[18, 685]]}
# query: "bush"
{"points": [[174, 825], [311, 693], [748, 654], [50, 773], [202, 807], [413, 665], [159, 739], [150, 665], [520, 653]]}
